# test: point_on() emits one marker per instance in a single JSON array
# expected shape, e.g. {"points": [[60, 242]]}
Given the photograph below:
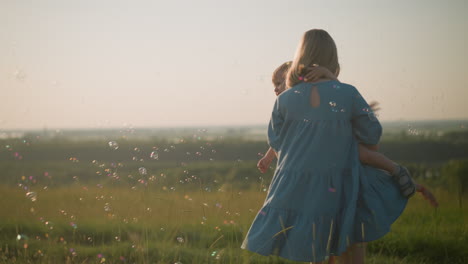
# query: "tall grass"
{"points": [[123, 225]]}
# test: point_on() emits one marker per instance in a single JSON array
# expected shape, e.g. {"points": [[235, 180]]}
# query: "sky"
{"points": [[108, 63]]}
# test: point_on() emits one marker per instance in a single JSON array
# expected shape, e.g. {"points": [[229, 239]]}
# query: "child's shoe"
{"points": [[404, 181]]}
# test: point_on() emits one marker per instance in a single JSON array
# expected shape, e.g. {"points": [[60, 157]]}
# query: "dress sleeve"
{"points": [[274, 127], [366, 126]]}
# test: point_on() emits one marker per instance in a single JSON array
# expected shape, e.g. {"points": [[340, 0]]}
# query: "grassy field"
{"points": [[81, 202], [79, 224]]}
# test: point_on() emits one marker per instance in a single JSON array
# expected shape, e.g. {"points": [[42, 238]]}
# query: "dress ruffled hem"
{"points": [[295, 236]]}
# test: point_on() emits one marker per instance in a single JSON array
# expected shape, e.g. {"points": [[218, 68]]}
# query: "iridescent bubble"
{"points": [[20, 236], [113, 145], [31, 196], [19, 75], [154, 155], [107, 207], [49, 225], [142, 171], [332, 103]]}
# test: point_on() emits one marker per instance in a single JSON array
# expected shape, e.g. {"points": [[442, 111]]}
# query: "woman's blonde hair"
{"points": [[316, 47]]}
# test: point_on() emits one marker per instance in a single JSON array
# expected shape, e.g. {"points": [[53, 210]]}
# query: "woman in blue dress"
{"points": [[322, 201]]}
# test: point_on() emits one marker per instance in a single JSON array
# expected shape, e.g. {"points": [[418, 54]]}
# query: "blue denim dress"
{"points": [[322, 199]]}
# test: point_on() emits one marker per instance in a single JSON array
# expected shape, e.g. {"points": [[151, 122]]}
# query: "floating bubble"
{"points": [[142, 171], [49, 225], [154, 155], [31, 196], [332, 103], [20, 236], [113, 145], [19, 75]]}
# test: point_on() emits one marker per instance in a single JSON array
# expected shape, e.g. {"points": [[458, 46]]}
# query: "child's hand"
{"points": [[374, 105], [317, 72], [263, 164], [427, 195]]}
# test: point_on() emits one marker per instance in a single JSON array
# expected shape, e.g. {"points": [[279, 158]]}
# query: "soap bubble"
{"points": [[19, 75], [31, 196], [142, 171], [113, 145], [154, 155], [107, 207]]}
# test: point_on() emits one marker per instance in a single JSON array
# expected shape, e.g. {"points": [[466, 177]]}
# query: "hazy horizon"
{"points": [[148, 64]]}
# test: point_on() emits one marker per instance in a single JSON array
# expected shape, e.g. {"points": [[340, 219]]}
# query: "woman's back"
{"points": [[312, 126]]}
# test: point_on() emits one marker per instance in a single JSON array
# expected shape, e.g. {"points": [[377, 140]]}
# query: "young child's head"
{"points": [[279, 77], [316, 47]]}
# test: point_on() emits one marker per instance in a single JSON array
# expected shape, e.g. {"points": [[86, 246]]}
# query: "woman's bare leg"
{"points": [[355, 254]]}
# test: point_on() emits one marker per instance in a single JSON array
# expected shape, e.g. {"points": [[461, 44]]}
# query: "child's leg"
{"points": [[376, 159], [400, 174]]}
